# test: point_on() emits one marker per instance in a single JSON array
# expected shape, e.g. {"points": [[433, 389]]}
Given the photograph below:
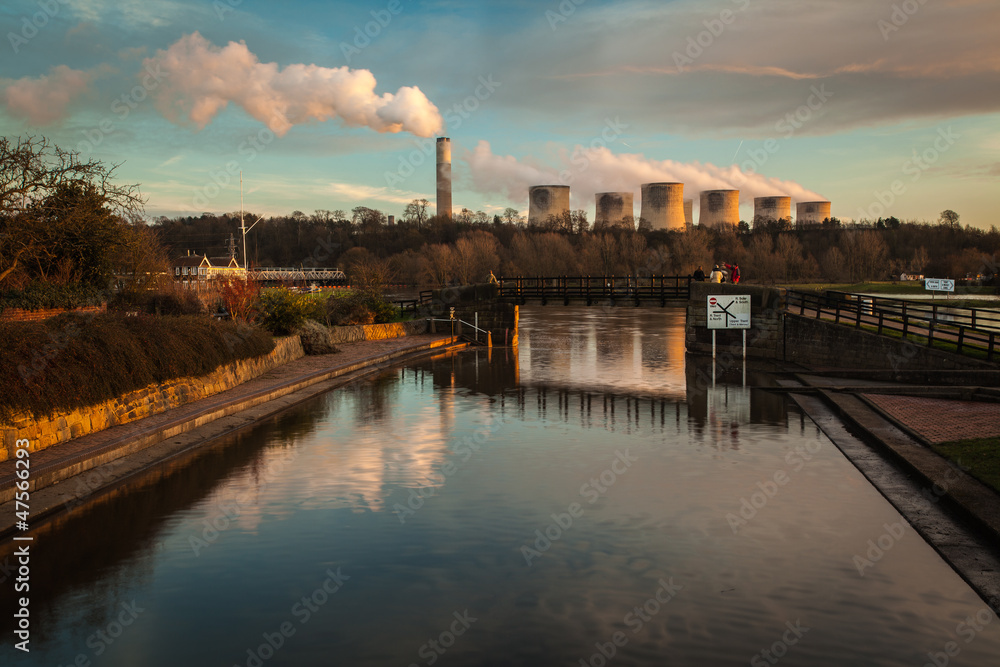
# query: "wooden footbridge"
{"points": [[590, 290]]}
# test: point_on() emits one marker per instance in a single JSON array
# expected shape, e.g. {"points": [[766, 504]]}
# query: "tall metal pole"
{"points": [[243, 227]]}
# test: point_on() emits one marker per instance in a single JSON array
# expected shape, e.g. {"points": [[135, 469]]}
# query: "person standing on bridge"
{"points": [[699, 274], [734, 273], [716, 275]]}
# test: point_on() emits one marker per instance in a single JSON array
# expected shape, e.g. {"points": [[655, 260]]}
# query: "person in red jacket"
{"points": [[734, 273]]}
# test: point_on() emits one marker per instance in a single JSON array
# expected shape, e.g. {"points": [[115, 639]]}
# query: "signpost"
{"points": [[939, 285], [729, 311]]}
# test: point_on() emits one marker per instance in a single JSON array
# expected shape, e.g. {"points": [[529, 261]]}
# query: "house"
{"points": [[196, 271]]}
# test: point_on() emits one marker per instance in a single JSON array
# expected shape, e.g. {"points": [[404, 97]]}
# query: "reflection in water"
{"points": [[548, 496]]}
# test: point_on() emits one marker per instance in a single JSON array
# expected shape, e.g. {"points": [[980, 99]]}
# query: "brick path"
{"points": [[941, 420]]}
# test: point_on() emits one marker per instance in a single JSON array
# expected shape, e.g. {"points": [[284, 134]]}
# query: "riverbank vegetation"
{"points": [[979, 457], [72, 360]]}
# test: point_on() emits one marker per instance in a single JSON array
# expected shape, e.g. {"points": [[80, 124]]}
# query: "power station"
{"points": [[811, 213], [772, 209], [719, 208], [663, 205], [614, 209], [545, 201], [444, 176]]}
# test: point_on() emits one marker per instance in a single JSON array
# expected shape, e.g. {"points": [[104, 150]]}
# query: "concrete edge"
{"points": [[974, 500], [56, 471]]}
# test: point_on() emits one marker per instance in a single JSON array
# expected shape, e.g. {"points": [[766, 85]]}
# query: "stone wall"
{"points": [[351, 334], [21, 315], [151, 400]]}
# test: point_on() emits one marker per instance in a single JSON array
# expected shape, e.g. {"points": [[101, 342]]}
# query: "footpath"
{"points": [[63, 475]]}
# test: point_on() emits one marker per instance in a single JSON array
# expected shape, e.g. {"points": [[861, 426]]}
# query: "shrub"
{"points": [[74, 360], [283, 311], [39, 295], [360, 307], [316, 338]]}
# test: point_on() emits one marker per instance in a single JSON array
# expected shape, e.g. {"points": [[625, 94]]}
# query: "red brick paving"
{"points": [[941, 420]]}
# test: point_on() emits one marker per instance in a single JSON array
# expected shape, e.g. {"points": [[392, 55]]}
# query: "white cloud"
{"points": [[45, 100], [202, 79]]}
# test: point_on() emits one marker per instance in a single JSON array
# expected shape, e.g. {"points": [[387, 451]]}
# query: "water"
{"points": [[583, 499]]}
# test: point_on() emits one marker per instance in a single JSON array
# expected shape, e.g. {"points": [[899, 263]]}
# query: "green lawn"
{"points": [[980, 458]]}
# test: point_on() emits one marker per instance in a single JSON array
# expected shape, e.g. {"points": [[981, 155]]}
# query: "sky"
{"points": [[884, 108]]}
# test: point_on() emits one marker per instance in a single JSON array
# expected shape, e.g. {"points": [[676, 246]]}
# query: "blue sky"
{"points": [[884, 108]]}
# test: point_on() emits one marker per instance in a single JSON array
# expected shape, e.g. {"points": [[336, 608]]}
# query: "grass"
{"points": [[980, 458], [968, 350]]}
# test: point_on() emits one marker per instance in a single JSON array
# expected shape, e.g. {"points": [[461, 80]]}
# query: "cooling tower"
{"points": [[811, 212], [545, 201], [772, 208], [719, 208], [663, 205], [614, 209], [444, 176], [688, 214]]}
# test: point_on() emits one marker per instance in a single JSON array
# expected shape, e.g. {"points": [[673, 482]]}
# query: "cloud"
{"points": [[678, 68], [591, 171], [202, 79], [45, 100], [356, 192]]}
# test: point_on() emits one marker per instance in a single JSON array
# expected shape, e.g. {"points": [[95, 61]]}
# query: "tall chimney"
{"points": [[444, 176]]}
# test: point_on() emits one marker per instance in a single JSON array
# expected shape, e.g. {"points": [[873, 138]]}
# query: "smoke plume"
{"points": [[201, 79], [589, 171]]}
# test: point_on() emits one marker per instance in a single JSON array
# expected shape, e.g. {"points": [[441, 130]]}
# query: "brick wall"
{"points": [[21, 315], [151, 400]]}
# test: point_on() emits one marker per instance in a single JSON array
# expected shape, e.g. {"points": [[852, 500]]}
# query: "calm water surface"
{"points": [[590, 500]]}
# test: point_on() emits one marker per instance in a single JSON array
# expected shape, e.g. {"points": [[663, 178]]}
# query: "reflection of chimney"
{"points": [[444, 176]]}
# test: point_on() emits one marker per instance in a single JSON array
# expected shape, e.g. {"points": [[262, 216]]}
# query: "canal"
{"points": [[589, 500]]}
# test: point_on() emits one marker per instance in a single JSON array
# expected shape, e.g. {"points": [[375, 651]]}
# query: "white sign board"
{"points": [[939, 284], [729, 311]]}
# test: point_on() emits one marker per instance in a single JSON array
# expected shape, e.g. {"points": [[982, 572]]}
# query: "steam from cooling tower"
{"points": [[201, 79], [600, 170]]}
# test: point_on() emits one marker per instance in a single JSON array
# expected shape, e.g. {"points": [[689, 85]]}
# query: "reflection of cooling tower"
{"points": [[663, 205], [688, 214], [811, 212], [614, 209], [772, 208], [719, 208], [545, 201], [444, 176]]}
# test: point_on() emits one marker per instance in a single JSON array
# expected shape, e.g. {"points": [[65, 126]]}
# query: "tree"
{"points": [[949, 218], [61, 218], [416, 212], [512, 216]]}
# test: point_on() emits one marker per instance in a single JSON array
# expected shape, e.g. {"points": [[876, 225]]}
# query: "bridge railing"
{"points": [[975, 318], [904, 319], [596, 288]]}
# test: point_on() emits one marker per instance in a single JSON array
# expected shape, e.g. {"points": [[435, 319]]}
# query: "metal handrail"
{"points": [[473, 326], [868, 314], [972, 317]]}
